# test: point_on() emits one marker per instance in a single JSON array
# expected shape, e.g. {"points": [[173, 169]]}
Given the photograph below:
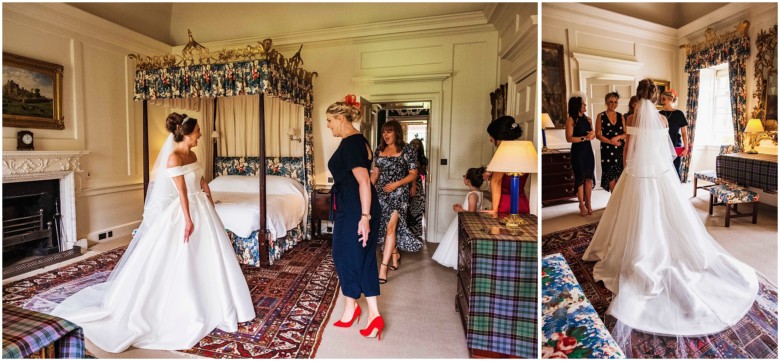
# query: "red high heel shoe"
{"points": [[355, 315], [377, 325]]}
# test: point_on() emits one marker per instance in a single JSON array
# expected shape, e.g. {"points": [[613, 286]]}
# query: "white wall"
{"points": [[600, 43], [99, 113], [452, 62]]}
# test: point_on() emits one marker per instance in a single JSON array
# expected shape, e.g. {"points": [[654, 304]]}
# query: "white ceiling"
{"points": [[168, 22], [674, 15]]}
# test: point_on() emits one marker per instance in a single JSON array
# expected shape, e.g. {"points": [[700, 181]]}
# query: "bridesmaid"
{"points": [[356, 215], [499, 130], [579, 132], [609, 130]]}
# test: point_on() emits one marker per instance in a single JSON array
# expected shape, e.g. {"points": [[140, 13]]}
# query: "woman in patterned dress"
{"points": [[395, 168], [417, 193], [579, 132], [610, 131]]}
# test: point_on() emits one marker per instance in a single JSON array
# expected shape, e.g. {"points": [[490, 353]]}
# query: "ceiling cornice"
{"points": [[586, 15], [724, 17], [69, 17], [443, 24]]}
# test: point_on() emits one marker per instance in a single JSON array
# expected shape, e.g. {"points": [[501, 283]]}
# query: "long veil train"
{"points": [[673, 283]]}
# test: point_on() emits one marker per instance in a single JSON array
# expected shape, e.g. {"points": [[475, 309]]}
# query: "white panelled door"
{"points": [[596, 89], [523, 109]]}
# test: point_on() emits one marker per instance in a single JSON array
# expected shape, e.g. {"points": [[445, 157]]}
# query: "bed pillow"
{"points": [[274, 184]]}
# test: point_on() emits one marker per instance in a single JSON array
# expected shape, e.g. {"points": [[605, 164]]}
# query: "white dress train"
{"points": [[169, 295], [447, 251], [669, 276]]}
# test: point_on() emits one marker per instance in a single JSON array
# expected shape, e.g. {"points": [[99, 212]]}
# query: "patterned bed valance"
{"points": [[291, 167], [198, 72]]}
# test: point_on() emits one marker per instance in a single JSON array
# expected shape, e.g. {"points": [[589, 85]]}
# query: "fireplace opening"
{"points": [[32, 225]]}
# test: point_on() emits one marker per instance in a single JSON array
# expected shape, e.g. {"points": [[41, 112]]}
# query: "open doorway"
{"points": [[414, 117]]}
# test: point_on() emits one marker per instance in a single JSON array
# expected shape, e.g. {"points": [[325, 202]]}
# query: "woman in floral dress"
{"points": [[395, 168]]}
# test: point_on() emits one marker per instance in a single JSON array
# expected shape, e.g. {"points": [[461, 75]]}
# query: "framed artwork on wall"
{"points": [[553, 83], [32, 93], [663, 85], [498, 102]]}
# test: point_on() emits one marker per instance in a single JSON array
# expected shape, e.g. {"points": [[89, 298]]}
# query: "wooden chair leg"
{"points": [[728, 214], [712, 200], [695, 181], [755, 212]]}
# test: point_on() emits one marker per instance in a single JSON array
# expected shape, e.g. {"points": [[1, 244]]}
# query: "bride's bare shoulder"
{"points": [[664, 121], [174, 160]]}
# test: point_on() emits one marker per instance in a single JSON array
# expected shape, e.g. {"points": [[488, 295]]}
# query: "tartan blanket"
{"points": [[25, 332], [751, 170]]}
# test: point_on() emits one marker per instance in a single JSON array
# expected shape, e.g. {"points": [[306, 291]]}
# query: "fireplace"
{"points": [[39, 209]]}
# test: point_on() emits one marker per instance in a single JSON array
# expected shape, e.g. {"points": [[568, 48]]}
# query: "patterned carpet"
{"points": [[760, 325], [293, 300]]}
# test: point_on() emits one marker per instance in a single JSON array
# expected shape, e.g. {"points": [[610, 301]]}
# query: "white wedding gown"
{"points": [[669, 276], [169, 294], [447, 251]]}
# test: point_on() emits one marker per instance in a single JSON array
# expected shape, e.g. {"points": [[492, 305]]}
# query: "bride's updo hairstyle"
{"points": [[504, 128], [349, 107], [647, 90], [180, 125]]}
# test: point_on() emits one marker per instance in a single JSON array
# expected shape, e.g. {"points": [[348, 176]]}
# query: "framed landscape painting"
{"points": [[32, 93], [553, 83]]}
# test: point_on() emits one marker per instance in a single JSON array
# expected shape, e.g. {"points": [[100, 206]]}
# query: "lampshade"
{"points": [[547, 121], [514, 156], [754, 126], [215, 134]]}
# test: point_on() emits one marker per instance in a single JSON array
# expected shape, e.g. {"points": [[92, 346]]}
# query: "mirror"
{"points": [[766, 79]]}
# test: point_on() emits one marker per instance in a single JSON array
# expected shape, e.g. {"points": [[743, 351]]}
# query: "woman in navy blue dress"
{"points": [[579, 132], [356, 214]]}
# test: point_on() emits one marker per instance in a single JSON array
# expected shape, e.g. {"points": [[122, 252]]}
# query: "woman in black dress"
{"points": [[579, 132], [395, 168], [610, 131], [356, 214], [678, 127], [417, 192]]}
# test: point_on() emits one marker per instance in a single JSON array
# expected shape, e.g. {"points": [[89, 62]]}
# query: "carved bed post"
{"points": [[261, 233]]}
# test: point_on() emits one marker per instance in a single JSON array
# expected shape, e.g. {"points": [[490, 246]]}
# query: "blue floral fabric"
{"points": [[570, 325], [248, 249]]}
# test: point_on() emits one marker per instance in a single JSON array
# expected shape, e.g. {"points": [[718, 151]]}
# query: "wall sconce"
{"points": [[293, 133], [215, 135]]}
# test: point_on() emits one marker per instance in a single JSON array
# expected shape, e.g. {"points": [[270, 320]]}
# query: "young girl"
{"points": [[447, 252]]}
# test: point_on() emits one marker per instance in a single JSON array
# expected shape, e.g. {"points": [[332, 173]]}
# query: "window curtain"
{"points": [[736, 53], [205, 107], [238, 126]]}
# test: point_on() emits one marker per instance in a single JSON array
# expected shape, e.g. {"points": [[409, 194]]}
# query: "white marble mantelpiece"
{"points": [[29, 166]]}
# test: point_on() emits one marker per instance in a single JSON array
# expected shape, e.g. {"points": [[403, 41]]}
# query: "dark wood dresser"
{"points": [[557, 175], [320, 209], [497, 287]]}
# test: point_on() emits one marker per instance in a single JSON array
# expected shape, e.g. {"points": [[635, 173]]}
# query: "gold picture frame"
{"points": [[32, 93], [663, 85]]}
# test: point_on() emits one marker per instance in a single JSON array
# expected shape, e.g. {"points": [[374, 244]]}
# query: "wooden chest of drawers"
{"points": [[557, 175], [320, 209], [497, 273]]}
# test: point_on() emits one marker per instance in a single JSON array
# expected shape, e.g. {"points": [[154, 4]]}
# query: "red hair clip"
{"points": [[351, 99], [673, 93]]}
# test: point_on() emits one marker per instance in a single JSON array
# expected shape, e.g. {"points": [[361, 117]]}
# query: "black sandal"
{"points": [[383, 280]]}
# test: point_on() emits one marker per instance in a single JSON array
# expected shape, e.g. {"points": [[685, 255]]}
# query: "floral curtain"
{"points": [[736, 53]]}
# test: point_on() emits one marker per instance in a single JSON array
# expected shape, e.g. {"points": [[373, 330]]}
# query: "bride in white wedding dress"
{"points": [[668, 275], [179, 278]]}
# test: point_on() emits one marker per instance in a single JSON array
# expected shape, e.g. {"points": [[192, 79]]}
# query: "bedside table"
{"points": [[320, 209]]}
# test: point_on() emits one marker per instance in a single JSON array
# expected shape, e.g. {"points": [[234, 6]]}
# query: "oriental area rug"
{"points": [[760, 325], [293, 300]]}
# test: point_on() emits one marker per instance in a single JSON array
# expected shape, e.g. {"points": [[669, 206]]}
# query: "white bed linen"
{"points": [[237, 203]]}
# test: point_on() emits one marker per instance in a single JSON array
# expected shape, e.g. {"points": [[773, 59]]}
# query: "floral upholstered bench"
{"points": [[731, 195], [570, 325]]}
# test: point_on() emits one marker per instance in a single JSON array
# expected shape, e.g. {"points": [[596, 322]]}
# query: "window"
{"points": [[713, 122]]}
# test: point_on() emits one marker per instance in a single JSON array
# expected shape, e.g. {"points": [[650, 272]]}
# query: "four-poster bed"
{"points": [[252, 70]]}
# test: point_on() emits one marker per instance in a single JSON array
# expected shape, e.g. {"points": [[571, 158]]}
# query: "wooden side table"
{"points": [[497, 281], [557, 175], [320, 209]]}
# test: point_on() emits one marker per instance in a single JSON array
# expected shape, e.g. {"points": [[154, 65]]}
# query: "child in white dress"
{"points": [[447, 252]]}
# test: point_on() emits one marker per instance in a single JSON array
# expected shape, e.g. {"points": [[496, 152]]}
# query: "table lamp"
{"points": [[512, 158], [546, 123], [753, 126]]}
